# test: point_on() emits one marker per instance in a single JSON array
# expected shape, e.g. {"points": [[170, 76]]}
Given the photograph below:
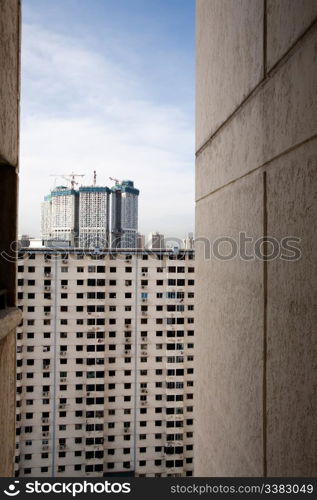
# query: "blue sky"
{"points": [[109, 85]]}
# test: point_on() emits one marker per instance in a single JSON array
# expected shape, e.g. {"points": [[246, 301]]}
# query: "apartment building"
{"points": [[94, 216], [63, 207], [124, 214], [82, 217], [105, 376]]}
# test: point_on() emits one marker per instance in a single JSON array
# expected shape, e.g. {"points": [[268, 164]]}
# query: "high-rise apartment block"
{"points": [[59, 218], [124, 217], [82, 217], [105, 375], [94, 216]]}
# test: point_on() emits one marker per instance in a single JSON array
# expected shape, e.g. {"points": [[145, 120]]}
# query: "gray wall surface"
{"points": [[9, 158], [256, 172]]}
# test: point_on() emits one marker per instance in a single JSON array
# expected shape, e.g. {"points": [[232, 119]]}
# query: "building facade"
{"points": [[155, 241], [256, 178], [124, 207], [10, 41], [94, 216], [46, 218], [82, 217], [105, 376], [64, 214]]}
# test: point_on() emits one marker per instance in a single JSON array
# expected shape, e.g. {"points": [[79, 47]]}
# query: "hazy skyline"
{"points": [[108, 85]]}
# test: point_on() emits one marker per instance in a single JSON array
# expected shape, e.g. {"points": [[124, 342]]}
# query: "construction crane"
{"points": [[70, 178], [115, 180]]}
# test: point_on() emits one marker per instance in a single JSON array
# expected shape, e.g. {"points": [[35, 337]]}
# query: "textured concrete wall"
{"points": [[9, 155], [256, 172]]}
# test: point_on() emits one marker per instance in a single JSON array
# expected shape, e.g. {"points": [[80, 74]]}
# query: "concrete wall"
{"points": [[256, 172], [9, 154]]}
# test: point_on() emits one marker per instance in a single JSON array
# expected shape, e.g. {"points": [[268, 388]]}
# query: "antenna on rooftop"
{"points": [[95, 177]]}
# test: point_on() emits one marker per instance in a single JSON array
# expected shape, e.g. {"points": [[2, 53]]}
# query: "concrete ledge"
{"points": [[9, 320]]}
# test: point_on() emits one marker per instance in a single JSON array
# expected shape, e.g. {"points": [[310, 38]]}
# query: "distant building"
{"points": [[46, 217], [64, 214], [81, 218], [124, 215], [140, 241], [24, 240], [94, 216], [155, 241], [189, 242]]}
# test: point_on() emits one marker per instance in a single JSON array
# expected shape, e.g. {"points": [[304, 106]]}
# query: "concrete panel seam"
{"points": [[264, 38], [259, 167], [293, 48], [265, 287], [296, 46]]}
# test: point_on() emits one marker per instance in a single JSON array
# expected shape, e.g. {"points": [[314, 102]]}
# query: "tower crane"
{"points": [[70, 178], [115, 180]]}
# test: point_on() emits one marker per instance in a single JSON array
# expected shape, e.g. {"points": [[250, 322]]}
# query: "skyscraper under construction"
{"points": [[91, 216]]}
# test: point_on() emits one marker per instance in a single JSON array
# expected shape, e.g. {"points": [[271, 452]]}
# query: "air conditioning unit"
{"points": [[47, 288], [45, 420], [126, 352], [144, 300], [65, 261], [144, 339], [144, 391], [47, 313], [45, 434], [142, 286], [62, 446], [45, 393], [64, 287], [126, 429], [63, 380], [143, 403], [144, 353], [45, 447], [144, 274], [63, 353], [61, 407]]}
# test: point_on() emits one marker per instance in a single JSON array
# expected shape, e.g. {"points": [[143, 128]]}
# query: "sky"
{"points": [[108, 85]]}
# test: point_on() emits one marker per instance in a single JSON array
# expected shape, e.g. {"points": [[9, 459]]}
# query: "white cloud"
{"points": [[85, 111]]}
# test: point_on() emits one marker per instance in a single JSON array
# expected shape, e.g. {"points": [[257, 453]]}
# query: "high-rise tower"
{"points": [[94, 216], [82, 217], [124, 219], [60, 215], [46, 218]]}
